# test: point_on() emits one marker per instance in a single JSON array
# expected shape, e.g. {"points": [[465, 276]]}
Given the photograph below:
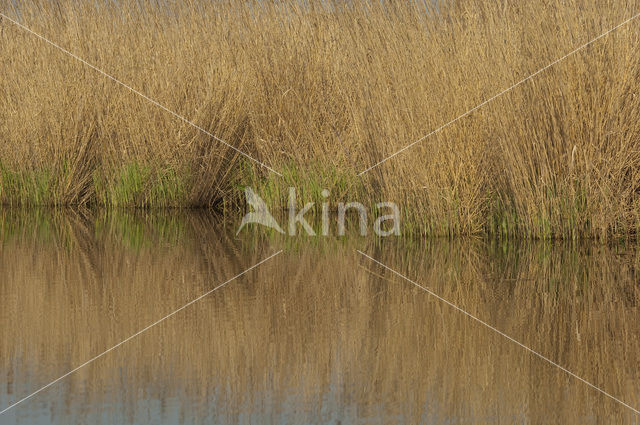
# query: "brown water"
{"points": [[318, 334]]}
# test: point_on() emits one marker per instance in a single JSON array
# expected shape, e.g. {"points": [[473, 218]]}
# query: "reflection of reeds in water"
{"points": [[318, 334]]}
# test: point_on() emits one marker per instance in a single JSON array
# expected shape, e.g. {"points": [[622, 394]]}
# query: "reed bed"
{"points": [[321, 91]]}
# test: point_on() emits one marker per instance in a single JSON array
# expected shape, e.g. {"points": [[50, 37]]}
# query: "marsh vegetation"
{"points": [[321, 91]]}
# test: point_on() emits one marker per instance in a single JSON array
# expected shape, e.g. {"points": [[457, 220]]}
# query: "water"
{"points": [[318, 334]]}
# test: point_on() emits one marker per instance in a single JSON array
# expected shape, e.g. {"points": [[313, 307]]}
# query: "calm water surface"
{"points": [[319, 334]]}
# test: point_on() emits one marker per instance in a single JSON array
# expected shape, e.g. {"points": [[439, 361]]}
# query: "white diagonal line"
{"points": [[137, 333], [505, 91], [500, 333], [144, 96]]}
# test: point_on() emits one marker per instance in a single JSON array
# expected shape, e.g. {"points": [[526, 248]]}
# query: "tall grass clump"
{"points": [[320, 91]]}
